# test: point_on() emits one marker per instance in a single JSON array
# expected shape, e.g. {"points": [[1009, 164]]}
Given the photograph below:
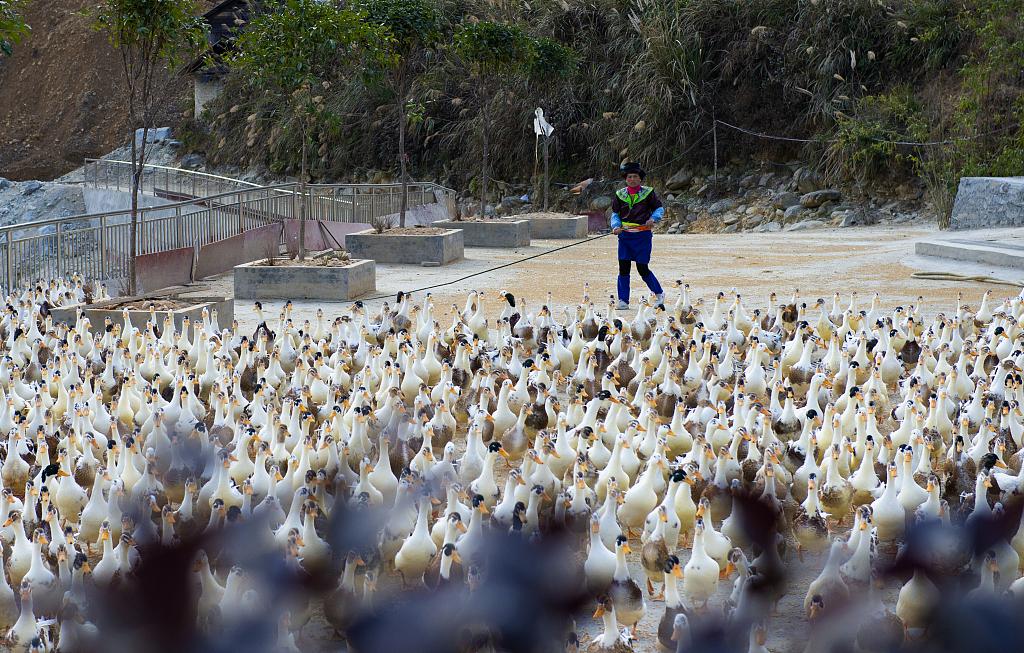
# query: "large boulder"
{"points": [[723, 205], [808, 181], [816, 198], [806, 224], [192, 161], [602, 203], [793, 213], [31, 187], [679, 180], [785, 200], [907, 191]]}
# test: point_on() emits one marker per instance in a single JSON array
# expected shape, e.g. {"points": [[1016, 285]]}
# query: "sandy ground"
{"points": [[818, 263]]}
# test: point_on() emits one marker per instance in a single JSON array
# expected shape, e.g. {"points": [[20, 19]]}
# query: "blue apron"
{"points": [[636, 246]]}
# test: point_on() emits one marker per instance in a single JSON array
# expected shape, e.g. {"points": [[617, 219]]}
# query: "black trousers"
{"points": [[640, 267]]}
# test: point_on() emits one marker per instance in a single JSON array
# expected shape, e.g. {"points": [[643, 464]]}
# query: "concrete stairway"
{"points": [[988, 252]]}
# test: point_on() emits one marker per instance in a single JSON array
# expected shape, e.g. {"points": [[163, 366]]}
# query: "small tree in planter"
{"points": [[492, 51], [288, 53], [151, 36], [550, 62], [414, 26]]}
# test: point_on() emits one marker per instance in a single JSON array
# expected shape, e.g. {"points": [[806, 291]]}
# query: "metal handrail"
{"points": [[97, 245]]}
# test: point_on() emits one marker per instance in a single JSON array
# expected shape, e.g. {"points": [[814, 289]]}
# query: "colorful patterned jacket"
{"points": [[631, 212]]}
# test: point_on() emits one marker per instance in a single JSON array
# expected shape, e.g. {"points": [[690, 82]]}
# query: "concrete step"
{"points": [[989, 252]]}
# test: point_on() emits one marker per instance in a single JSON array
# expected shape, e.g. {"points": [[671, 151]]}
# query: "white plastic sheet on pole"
{"points": [[541, 127]]}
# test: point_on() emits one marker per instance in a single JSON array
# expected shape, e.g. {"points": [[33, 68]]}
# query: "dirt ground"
{"points": [[60, 94], [818, 264]]}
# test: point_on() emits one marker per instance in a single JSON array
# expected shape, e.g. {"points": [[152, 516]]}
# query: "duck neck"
{"points": [[446, 566], [621, 571], [611, 634]]}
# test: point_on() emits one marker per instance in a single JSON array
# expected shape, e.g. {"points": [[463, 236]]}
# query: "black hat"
{"points": [[633, 167]]}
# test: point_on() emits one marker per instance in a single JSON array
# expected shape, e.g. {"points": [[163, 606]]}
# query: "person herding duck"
{"points": [[635, 209]]}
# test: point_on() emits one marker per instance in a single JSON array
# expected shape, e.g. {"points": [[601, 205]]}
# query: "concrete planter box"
{"points": [[574, 227], [439, 249], [501, 233], [112, 308], [255, 281]]}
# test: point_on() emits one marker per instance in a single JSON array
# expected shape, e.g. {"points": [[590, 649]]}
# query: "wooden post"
{"points": [[714, 136]]}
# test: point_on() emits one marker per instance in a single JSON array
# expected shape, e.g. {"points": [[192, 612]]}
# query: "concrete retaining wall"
{"points": [[253, 281], [424, 214], [500, 233], [207, 88], [574, 227], [440, 248], [988, 202], [104, 200], [164, 269]]}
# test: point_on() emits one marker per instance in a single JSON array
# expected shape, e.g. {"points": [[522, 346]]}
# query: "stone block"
{"points": [[988, 202], [98, 312], [31, 187], [500, 233], [559, 228], [323, 282], [407, 248]]}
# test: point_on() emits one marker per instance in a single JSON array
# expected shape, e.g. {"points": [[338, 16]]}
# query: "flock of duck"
{"points": [[709, 436]]}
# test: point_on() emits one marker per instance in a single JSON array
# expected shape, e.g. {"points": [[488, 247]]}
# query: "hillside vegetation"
{"points": [[854, 77]]}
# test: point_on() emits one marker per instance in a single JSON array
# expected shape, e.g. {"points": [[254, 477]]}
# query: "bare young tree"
{"points": [[153, 38]]}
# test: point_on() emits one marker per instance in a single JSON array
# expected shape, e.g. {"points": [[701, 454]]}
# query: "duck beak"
{"points": [[462, 527], [599, 613], [456, 557], [1000, 464]]}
